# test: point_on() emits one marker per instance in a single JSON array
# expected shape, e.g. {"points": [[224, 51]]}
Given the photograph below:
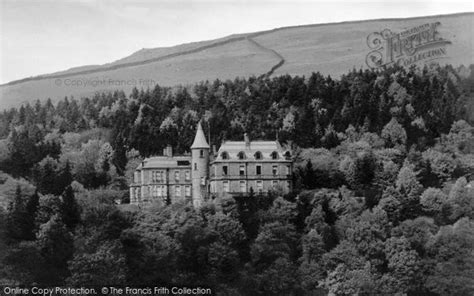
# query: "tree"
{"points": [[460, 136], [410, 189], [433, 200], [276, 279], [453, 258], [346, 281], [308, 176], [404, 264], [65, 177], [441, 164], [275, 240], [45, 174], [56, 247], [32, 205], [317, 221], [49, 205], [151, 255], [368, 234], [24, 264], [391, 204], [105, 266], [330, 138], [19, 220], [281, 211], [311, 269], [70, 210], [223, 262], [229, 229], [394, 134], [461, 200], [359, 171]]}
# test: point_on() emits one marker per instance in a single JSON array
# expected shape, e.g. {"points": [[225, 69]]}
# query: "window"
{"points": [[187, 175], [157, 176], [287, 155], [137, 177], [164, 191], [195, 166], [176, 176], [288, 170], [242, 170], [259, 186], [241, 155], [201, 153], [274, 183], [226, 186], [224, 170], [288, 185], [275, 170], [258, 169], [159, 191], [225, 155], [187, 190], [177, 190], [137, 193], [258, 155], [274, 155], [243, 187]]}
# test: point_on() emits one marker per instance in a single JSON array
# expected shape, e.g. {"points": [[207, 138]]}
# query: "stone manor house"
{"points": [[235, 169]]}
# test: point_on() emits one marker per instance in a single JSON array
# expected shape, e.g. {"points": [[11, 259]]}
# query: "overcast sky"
{"points": [[38, 37]]}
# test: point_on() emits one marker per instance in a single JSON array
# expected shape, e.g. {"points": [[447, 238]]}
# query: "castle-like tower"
{"points": [[199, 167]]}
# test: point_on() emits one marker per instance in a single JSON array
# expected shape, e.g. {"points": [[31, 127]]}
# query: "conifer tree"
{"points": [[70, 210]]}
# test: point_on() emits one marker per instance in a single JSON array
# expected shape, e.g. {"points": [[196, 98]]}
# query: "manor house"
{"points": [[237, 168]]}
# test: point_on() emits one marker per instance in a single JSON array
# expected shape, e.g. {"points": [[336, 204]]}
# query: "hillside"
{"points": [[328, 48]]}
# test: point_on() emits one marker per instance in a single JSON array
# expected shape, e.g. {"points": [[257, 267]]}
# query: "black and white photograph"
{"points": [[237, 147]]}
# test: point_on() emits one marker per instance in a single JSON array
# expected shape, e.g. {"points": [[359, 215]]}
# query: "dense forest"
{"points": [[383, 201]]}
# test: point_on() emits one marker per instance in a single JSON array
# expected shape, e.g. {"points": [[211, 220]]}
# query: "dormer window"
{"points": [[274, 155], [258, 155], [241, 155], [224, 155], [287, 155]]}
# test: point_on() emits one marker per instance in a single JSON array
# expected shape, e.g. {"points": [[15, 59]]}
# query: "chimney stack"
{"points": [[247, 140], [169, 151]]}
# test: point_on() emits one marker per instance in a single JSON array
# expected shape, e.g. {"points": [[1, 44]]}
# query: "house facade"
{"points": [[237, 168], [243, 166]]}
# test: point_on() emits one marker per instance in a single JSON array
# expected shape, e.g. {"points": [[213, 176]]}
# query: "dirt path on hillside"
{"points": [[271, 51]]}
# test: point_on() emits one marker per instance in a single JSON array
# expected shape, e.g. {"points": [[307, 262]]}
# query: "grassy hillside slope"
{"points": [[331, 49]]}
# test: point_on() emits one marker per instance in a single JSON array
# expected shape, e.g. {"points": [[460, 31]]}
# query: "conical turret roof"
{"points": [[199, 139]]}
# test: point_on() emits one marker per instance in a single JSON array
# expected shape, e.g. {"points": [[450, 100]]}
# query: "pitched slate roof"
{"points": [[233, 148], [165, 162]]}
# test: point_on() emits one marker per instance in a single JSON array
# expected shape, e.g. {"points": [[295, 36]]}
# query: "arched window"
{"points": [[225, 155], [287, 154], [258, 155], [241, 155], [274, 155]]}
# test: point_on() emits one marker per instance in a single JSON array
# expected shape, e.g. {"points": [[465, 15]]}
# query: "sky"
{"points": [[40, 37]]}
